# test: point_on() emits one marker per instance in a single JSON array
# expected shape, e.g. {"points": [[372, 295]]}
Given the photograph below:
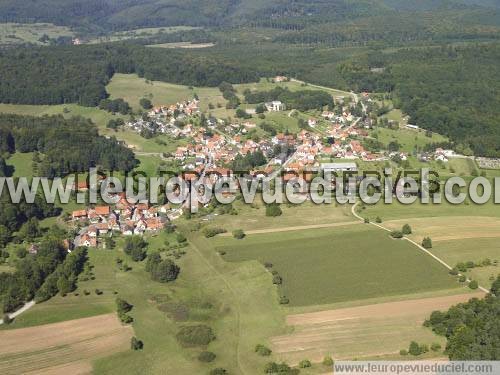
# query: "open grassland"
{"points": [[184, 45], [408, 139], [18, 33], [22, 164], [236, 300], [254, 217], [67, 347], [475, 250], [360, 332], [324, 266], [139, 33], [396, 210], [131, 88]]}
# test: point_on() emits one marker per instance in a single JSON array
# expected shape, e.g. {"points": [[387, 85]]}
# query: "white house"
{"points": [[275, 106]]}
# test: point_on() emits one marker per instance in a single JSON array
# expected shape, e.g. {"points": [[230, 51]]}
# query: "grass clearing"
{"points": [[132, 88], [18, 33], [324, 266], [408, 139]]}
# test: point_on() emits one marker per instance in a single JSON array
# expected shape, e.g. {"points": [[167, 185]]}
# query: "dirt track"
{"points": [[62, 348]]}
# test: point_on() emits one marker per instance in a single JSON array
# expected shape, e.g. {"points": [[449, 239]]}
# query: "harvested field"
{"points": [[364, 331], [450, 228], [62, 348]]}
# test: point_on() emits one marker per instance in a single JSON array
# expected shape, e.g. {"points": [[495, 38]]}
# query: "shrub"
{"points": [[453, 272], [262, 350], [473, 284], [181, 238], [328, 361], [284, 300], [213, 231], [197, 335], [238, 234], [123, 306], [462, 278], [7, 319], [218, 371], [273, 210], [367, 221], [427, 243], [378, 219], [125, 318], [135, 247], [403, 352], [206, 357], [397, 234], [406, 229], [98, 292], [414, 348], [277, 280], [305, 363], [136, 344], [268, 265], [435, 347]]}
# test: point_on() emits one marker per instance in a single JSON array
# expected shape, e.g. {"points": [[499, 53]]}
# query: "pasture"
{"points": [[18, 33], [131, 88], [67, 347], [408, 139], [325, 266]]}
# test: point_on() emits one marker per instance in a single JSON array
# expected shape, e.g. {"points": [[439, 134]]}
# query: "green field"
{"points": [[17, 33], [22, 164], [408, 139], [472, 249], [139, 33], [340, 264], [132, 88]]}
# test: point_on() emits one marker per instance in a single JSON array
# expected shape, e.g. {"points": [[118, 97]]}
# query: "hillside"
{"points": [[115, 14]]}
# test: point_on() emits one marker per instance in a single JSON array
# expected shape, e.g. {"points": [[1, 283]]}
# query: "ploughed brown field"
{"points": [[62, 348]]}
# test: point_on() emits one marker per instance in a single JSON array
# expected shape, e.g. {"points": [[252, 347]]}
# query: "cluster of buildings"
{"points": [[165, 119], [125, 218]]}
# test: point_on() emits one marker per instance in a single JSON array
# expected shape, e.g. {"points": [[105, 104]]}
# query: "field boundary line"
{"points": [[291, 229], [353, 211]]}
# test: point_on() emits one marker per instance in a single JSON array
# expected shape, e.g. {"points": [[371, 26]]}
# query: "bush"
{"points": [[305, 363], [238, 234], [403, 352], [136, 344], [277, 280], [414, 349], [462, 278], [218, 371], [21, 252], [125, 318], [206, 357], [367, 221], [453, 272], [435, 347], [213, 231], [328, 361], [406, 229], [427, 243], [273, 210], [284, 300], [197, 335], [7, 319], [473, 284], [262, 350], [123, 306], [135, 247], [378, 219], [397, 234]]}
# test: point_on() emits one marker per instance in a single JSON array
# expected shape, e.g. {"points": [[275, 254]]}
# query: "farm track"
{"points": [[295, 228]]}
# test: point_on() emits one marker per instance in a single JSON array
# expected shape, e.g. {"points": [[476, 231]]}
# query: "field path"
{"points": [[26, 307], [353, 210], [297, 228]]}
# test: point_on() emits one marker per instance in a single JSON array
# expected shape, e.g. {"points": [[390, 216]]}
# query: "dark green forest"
{"points": [[472, 328], [67, 74], [65, 145]]}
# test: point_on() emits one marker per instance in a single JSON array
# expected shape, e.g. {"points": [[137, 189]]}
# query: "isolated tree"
{"points": [[136, 344], [406, 229], [238, 234], [414, 349], [146, 103], [473, 284], [328, 361], [273, 210], [427, 243]]}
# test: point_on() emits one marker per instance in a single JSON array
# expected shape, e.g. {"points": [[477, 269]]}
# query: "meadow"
{"points": [[17, 33], [408, 139], [325, 266]]}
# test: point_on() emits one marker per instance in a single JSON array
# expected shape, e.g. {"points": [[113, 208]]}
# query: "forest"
{"points": [[472, 328], [64, 145], [79, 74]]}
